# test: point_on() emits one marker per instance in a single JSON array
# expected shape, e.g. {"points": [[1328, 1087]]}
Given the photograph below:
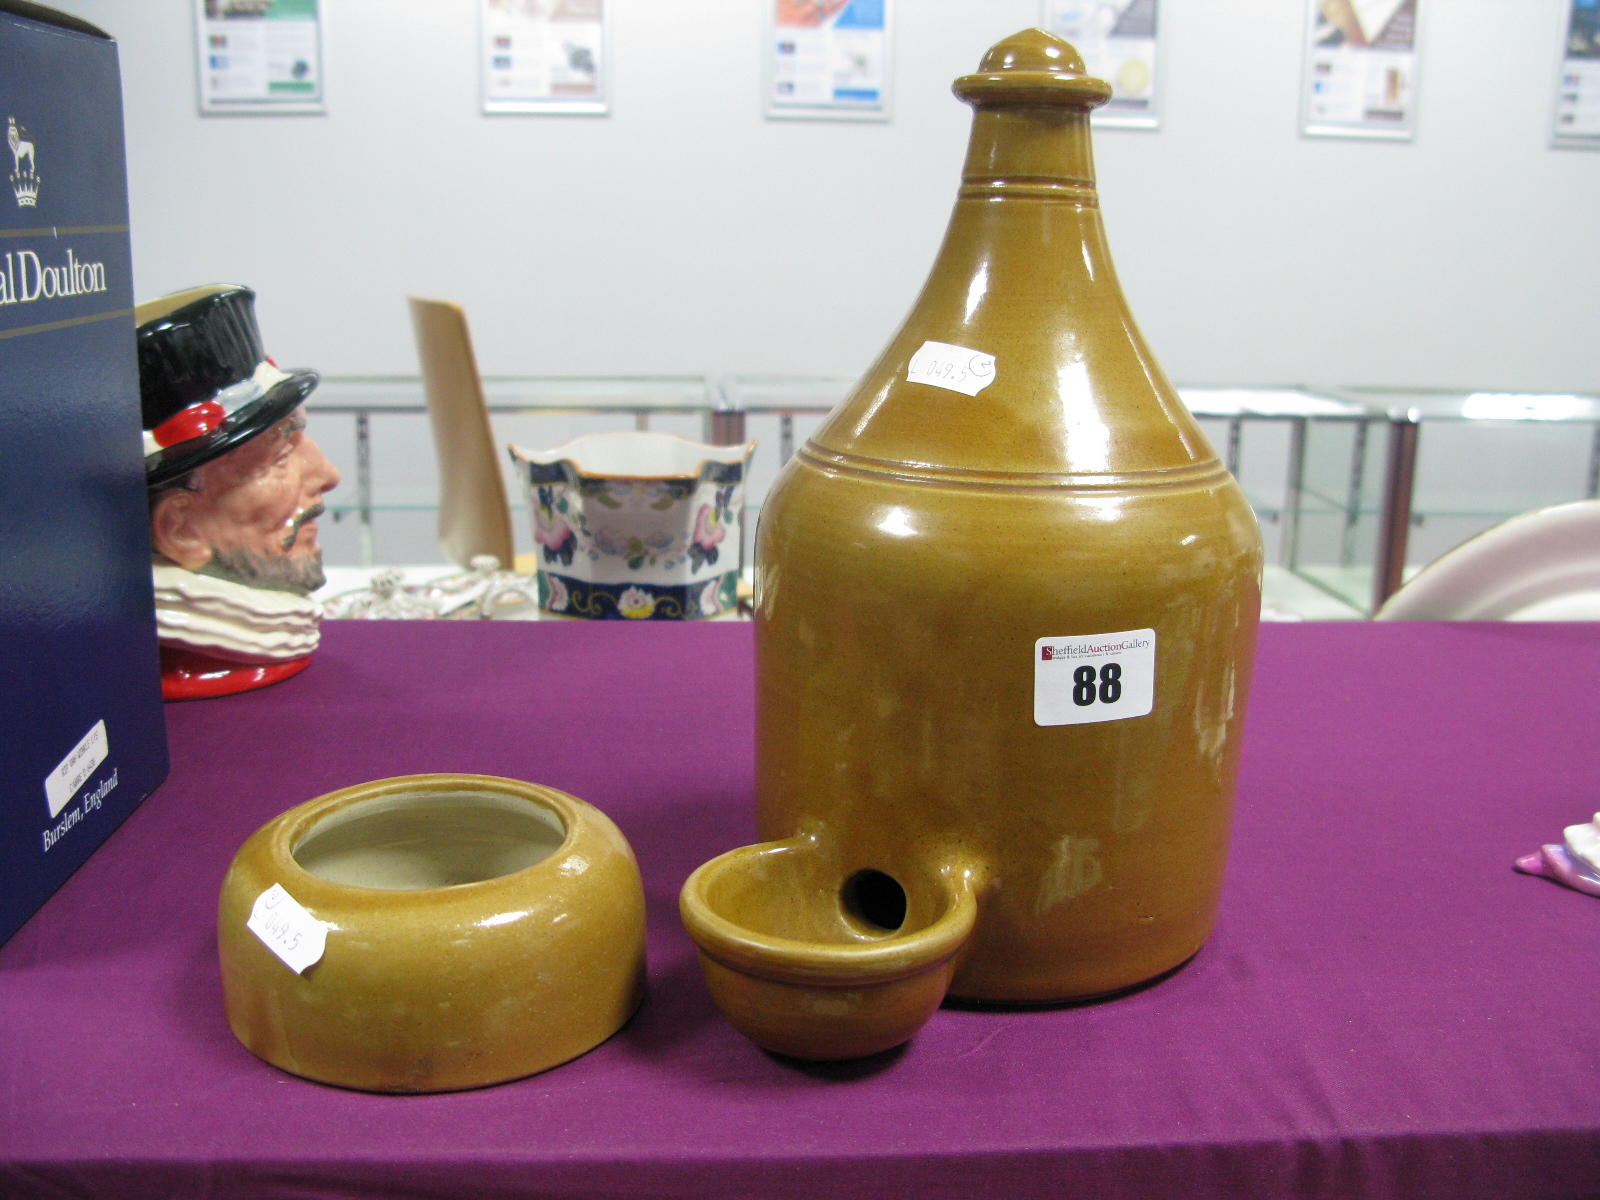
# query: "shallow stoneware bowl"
{"points": [[637, 525], [817, 957], [479, 929]]}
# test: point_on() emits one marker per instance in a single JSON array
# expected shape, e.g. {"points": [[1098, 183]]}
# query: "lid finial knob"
{"points": [[1032, 67]]}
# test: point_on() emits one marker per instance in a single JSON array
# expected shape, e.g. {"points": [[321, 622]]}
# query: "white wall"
{"points": [[684, 233]]}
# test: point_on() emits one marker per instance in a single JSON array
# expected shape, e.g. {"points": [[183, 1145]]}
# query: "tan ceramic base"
{"points": [[481, 929]]}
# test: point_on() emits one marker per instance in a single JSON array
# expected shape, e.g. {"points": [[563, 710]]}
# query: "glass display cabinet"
{"points": [[1356, 489], [1453, 464], [376, 431], [1263, 434], [1352, 496]]}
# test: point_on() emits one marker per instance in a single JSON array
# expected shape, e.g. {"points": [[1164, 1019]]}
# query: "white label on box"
{"points": [[73, 771], [954, 368], [288, 930], [1094, 677]]}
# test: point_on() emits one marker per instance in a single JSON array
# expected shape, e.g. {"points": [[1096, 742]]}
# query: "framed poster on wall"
{"points": [[1577, 114], [1360, 73], [828, 59], [259, 56], [1117, 39], [544, 56]]}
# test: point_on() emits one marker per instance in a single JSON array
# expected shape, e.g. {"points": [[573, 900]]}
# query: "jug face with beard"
{"points": [[250, 516], [235, 488], [235, 484]]}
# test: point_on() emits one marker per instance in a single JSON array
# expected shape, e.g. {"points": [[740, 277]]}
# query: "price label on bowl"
{"points": [[954, 368], [287, 929]]}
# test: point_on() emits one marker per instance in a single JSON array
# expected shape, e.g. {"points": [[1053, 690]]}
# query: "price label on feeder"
{"points": [[954, 368], [287, 929], [1094, 677]]}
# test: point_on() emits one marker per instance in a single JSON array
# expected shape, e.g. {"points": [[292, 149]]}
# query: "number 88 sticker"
{"points": [[1085, 678], [1084, 691]]}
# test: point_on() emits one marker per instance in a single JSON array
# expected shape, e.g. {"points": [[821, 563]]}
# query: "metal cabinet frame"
{"points": [[726, 404]]}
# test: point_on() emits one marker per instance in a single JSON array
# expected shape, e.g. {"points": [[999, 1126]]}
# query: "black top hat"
{"points": [[205, 384]]}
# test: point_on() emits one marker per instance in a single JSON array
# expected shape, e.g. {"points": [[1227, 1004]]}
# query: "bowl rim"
{"points": [[830, 964], [284, 833], [726, 456]]}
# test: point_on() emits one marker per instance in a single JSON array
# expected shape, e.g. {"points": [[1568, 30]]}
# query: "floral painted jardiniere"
{"points": [[636, 525]]}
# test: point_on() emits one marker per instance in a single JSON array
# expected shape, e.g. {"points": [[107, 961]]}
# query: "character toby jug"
{"points": [[235, 489]]}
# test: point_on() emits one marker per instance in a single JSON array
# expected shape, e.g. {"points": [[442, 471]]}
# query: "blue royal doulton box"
{"points": [[82, 737]]}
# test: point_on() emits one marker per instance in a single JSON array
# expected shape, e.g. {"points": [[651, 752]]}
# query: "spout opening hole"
{"points": [[875, 899]]}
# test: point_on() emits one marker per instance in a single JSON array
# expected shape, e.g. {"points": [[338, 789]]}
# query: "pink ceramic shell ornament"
{"points": [[1574, 862]]}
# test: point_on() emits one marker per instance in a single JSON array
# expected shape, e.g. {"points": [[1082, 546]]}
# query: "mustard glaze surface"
{"points": [[915, 550]]}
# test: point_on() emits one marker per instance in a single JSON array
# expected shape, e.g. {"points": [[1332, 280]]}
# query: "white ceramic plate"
{"points": [[1541, 566]]}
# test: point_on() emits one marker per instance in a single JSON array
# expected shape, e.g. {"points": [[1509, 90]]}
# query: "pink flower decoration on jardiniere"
{"points": [[549, 533], [558, 593], [708, 531]]}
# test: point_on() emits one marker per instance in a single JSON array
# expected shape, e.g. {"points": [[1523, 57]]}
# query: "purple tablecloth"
{"points": [[1386, 1010]]}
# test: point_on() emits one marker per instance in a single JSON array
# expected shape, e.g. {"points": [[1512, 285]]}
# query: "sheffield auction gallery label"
{"points": [[287, 929], [1094, 677]]}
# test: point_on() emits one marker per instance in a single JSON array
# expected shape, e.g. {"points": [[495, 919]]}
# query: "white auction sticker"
{"points": [[73, 771], [287, 929], [954, 368], [1094, 677]]}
